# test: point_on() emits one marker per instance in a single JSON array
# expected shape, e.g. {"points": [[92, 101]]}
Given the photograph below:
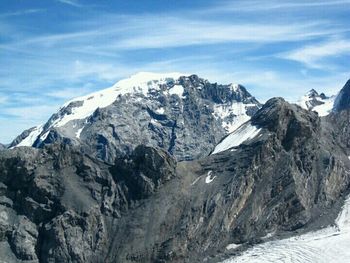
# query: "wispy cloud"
{"points": [[313, 55], [3, 99], [71, 3], [21, 12], [258, 6], [149, 32]]}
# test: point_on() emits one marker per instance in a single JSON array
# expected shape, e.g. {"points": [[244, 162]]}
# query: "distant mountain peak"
{"points": [[318, 102], [184, 114], [312, 93]]}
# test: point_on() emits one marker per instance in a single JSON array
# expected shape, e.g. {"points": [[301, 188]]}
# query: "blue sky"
{"points": [[53, 50]]}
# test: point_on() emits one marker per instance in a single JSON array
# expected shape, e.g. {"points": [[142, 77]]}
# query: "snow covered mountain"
{"points": [[323, 104], [185, 115], [320, 103]]}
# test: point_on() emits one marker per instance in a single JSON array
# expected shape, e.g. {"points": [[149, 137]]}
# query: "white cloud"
{"points": [[313, 56], [70, 2], [148, 31], [21, 12], [256, 6], [3, 99]]}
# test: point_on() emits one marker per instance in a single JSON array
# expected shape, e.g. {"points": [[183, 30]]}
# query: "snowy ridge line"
{"points": [[31, 138], [138, 83]]}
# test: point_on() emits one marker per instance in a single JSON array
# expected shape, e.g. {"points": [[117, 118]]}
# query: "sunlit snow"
{"points": [[323, 109], [31, 138], [138, 83], [245, 132], [327, 245], [209, 178], [236, 109]]}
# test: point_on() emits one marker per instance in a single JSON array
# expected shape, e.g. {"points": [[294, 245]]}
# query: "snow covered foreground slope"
{"points": [[324, 246], [185, 115]]}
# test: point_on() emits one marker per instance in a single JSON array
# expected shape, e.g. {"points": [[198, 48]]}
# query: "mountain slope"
{"points": [[186, 116], [61, 205]]}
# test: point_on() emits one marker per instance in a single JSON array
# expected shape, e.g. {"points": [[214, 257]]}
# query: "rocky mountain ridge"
{"points": [[170, 111]]}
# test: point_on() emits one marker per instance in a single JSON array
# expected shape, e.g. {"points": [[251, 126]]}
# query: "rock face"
{"points": [[342, 101], [59, 205], [185, 115]]}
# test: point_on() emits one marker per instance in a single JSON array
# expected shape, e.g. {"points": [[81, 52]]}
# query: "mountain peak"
{"points": [[318, 102], [312, 93], [342, 101], [167, 110], [146, 77]]}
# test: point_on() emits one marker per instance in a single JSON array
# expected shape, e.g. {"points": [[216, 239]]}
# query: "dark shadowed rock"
{"points": [[342, 101]]}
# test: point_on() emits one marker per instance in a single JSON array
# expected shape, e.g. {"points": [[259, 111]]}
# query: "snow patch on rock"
{"points": [[209, 177], [246, 132], [233, 115], [31, 138]]}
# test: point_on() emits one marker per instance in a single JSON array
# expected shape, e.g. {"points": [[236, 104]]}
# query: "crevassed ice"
{"points": [[327, 245], [245, 132]]}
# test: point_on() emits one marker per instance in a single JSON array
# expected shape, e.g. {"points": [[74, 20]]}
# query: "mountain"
{"points": [[283, 172], [320, 103], [185, 115], [342, 101], [2, 147], [324, 105]]}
